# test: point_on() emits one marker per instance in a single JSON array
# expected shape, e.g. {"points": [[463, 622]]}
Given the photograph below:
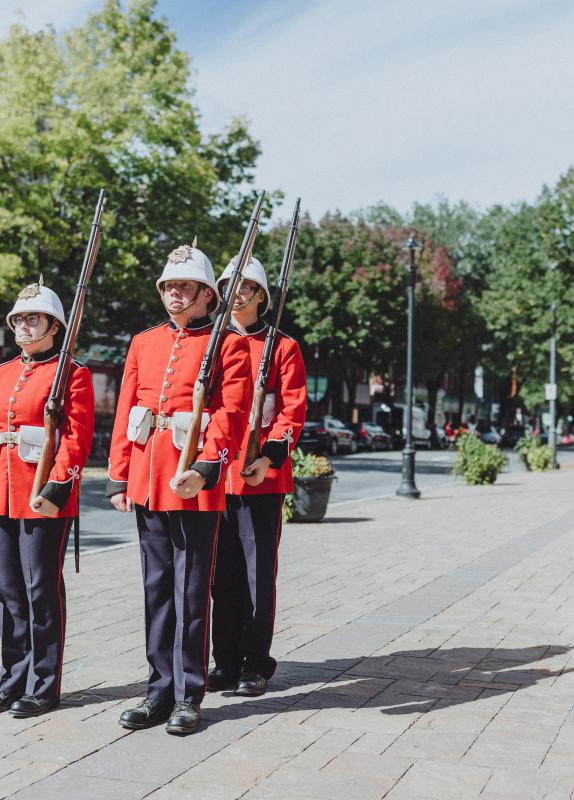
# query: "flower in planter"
{"points": [[306, 465]]}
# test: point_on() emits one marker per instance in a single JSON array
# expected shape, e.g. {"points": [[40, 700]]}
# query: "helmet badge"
{"points": [[34, 289], [182, 253]]}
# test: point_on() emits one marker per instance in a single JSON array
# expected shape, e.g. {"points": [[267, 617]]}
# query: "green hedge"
{"points": [[478, 463]]}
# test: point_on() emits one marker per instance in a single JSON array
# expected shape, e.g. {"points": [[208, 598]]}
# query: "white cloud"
{"points": [[400, 99]]}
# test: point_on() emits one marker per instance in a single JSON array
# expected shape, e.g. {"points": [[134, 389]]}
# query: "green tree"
{"points": [[448, 330], [519, 244], [109, 104], [346, 295]]}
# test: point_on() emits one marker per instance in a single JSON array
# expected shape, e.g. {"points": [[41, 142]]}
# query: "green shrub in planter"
{"points": [[523, 446], [540, 458], [535, 455], [311, 474], [478, 463]]}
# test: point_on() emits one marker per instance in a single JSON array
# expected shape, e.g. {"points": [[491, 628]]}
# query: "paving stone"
{"points": [[440, 780], [431, 650]]}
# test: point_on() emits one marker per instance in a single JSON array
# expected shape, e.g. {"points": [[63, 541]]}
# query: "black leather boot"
{"points": [[251, 685], [147, 713], [220, 679], [28, 706], [184, 718], [7, 698]]}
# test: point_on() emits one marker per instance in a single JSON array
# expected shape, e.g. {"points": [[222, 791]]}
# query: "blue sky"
{"points": [[360, 101]]}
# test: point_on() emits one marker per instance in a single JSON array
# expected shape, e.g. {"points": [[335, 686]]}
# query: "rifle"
{"points": [[53, 410], [254, 442], [204, 381]]}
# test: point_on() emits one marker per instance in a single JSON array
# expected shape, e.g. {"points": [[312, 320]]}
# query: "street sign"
{"points": [[550, 391]]}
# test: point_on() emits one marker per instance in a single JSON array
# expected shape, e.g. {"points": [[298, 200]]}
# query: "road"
{"points": [[363, 476]]}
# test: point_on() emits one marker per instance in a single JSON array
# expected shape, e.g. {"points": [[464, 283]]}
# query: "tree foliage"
{"points": [[109, 105]]}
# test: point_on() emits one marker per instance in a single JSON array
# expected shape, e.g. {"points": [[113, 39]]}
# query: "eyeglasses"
{"points": [[31, 320], [244, 288]]}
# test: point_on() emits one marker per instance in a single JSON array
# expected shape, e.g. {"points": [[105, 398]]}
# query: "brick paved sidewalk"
{"points": [[425, 653]]}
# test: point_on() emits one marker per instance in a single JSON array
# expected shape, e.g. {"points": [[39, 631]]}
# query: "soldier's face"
{"points": [[180, 297], [34, 331]]}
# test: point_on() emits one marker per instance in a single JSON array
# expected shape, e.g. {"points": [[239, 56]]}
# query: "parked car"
{"points": [[314, 437], [371, 437], [341, 438]]}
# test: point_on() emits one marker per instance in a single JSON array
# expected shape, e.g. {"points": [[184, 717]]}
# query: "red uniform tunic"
{"points": [[24, 389], [288, 381], [160, 372]]}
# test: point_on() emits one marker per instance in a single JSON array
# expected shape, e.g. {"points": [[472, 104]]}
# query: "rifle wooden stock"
{"points": [[48, 454], [189, 449], [55, 403], [253, 449], [203, 384]]}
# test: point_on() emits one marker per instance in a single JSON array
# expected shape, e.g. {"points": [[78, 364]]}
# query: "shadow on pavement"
{"points": [[100, 693], [404, 682]]}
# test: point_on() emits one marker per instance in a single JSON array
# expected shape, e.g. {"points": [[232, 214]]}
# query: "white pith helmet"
{"points": [[253, 271], [37, 297], [187, 263]]}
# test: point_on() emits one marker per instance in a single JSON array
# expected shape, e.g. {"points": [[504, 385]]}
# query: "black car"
{"points": [[371, 437], [314, 437], [341, 438]]}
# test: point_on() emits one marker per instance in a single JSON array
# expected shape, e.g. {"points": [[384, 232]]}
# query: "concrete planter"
{"points": [[310, 498]]}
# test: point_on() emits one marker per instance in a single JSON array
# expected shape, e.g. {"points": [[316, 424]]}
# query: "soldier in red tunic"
{"points": [[34, 535], [246, 568], [177, 519]]}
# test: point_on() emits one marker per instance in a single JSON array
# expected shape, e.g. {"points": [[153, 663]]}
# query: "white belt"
{"points": [[10, 437], [161, 421]]}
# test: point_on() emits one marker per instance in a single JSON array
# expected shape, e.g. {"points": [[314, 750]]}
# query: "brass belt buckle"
{"points": [[161, 421], [10, 438]]}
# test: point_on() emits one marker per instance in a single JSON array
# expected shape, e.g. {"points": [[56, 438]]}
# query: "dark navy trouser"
{"points": [[244, 585], [33, 600], [178, 554]]}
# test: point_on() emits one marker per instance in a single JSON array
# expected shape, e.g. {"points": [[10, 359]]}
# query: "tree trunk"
{"points": [[351, 383]]}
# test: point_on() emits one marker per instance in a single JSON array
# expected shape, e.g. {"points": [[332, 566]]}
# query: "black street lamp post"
{"points": [[408, 487], [552, 388]]}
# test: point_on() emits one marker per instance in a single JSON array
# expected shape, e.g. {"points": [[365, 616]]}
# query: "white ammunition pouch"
{"points": [[268, 415], [30, 441], [139, 424], [180, 422]]}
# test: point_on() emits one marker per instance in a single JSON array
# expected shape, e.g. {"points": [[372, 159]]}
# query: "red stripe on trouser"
{"points": [[65, 533], [208, 607]]}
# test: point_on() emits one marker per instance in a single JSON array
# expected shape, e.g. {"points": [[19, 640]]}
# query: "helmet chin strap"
{"points": [[253, 297], [189, 304], [35, 339]]}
